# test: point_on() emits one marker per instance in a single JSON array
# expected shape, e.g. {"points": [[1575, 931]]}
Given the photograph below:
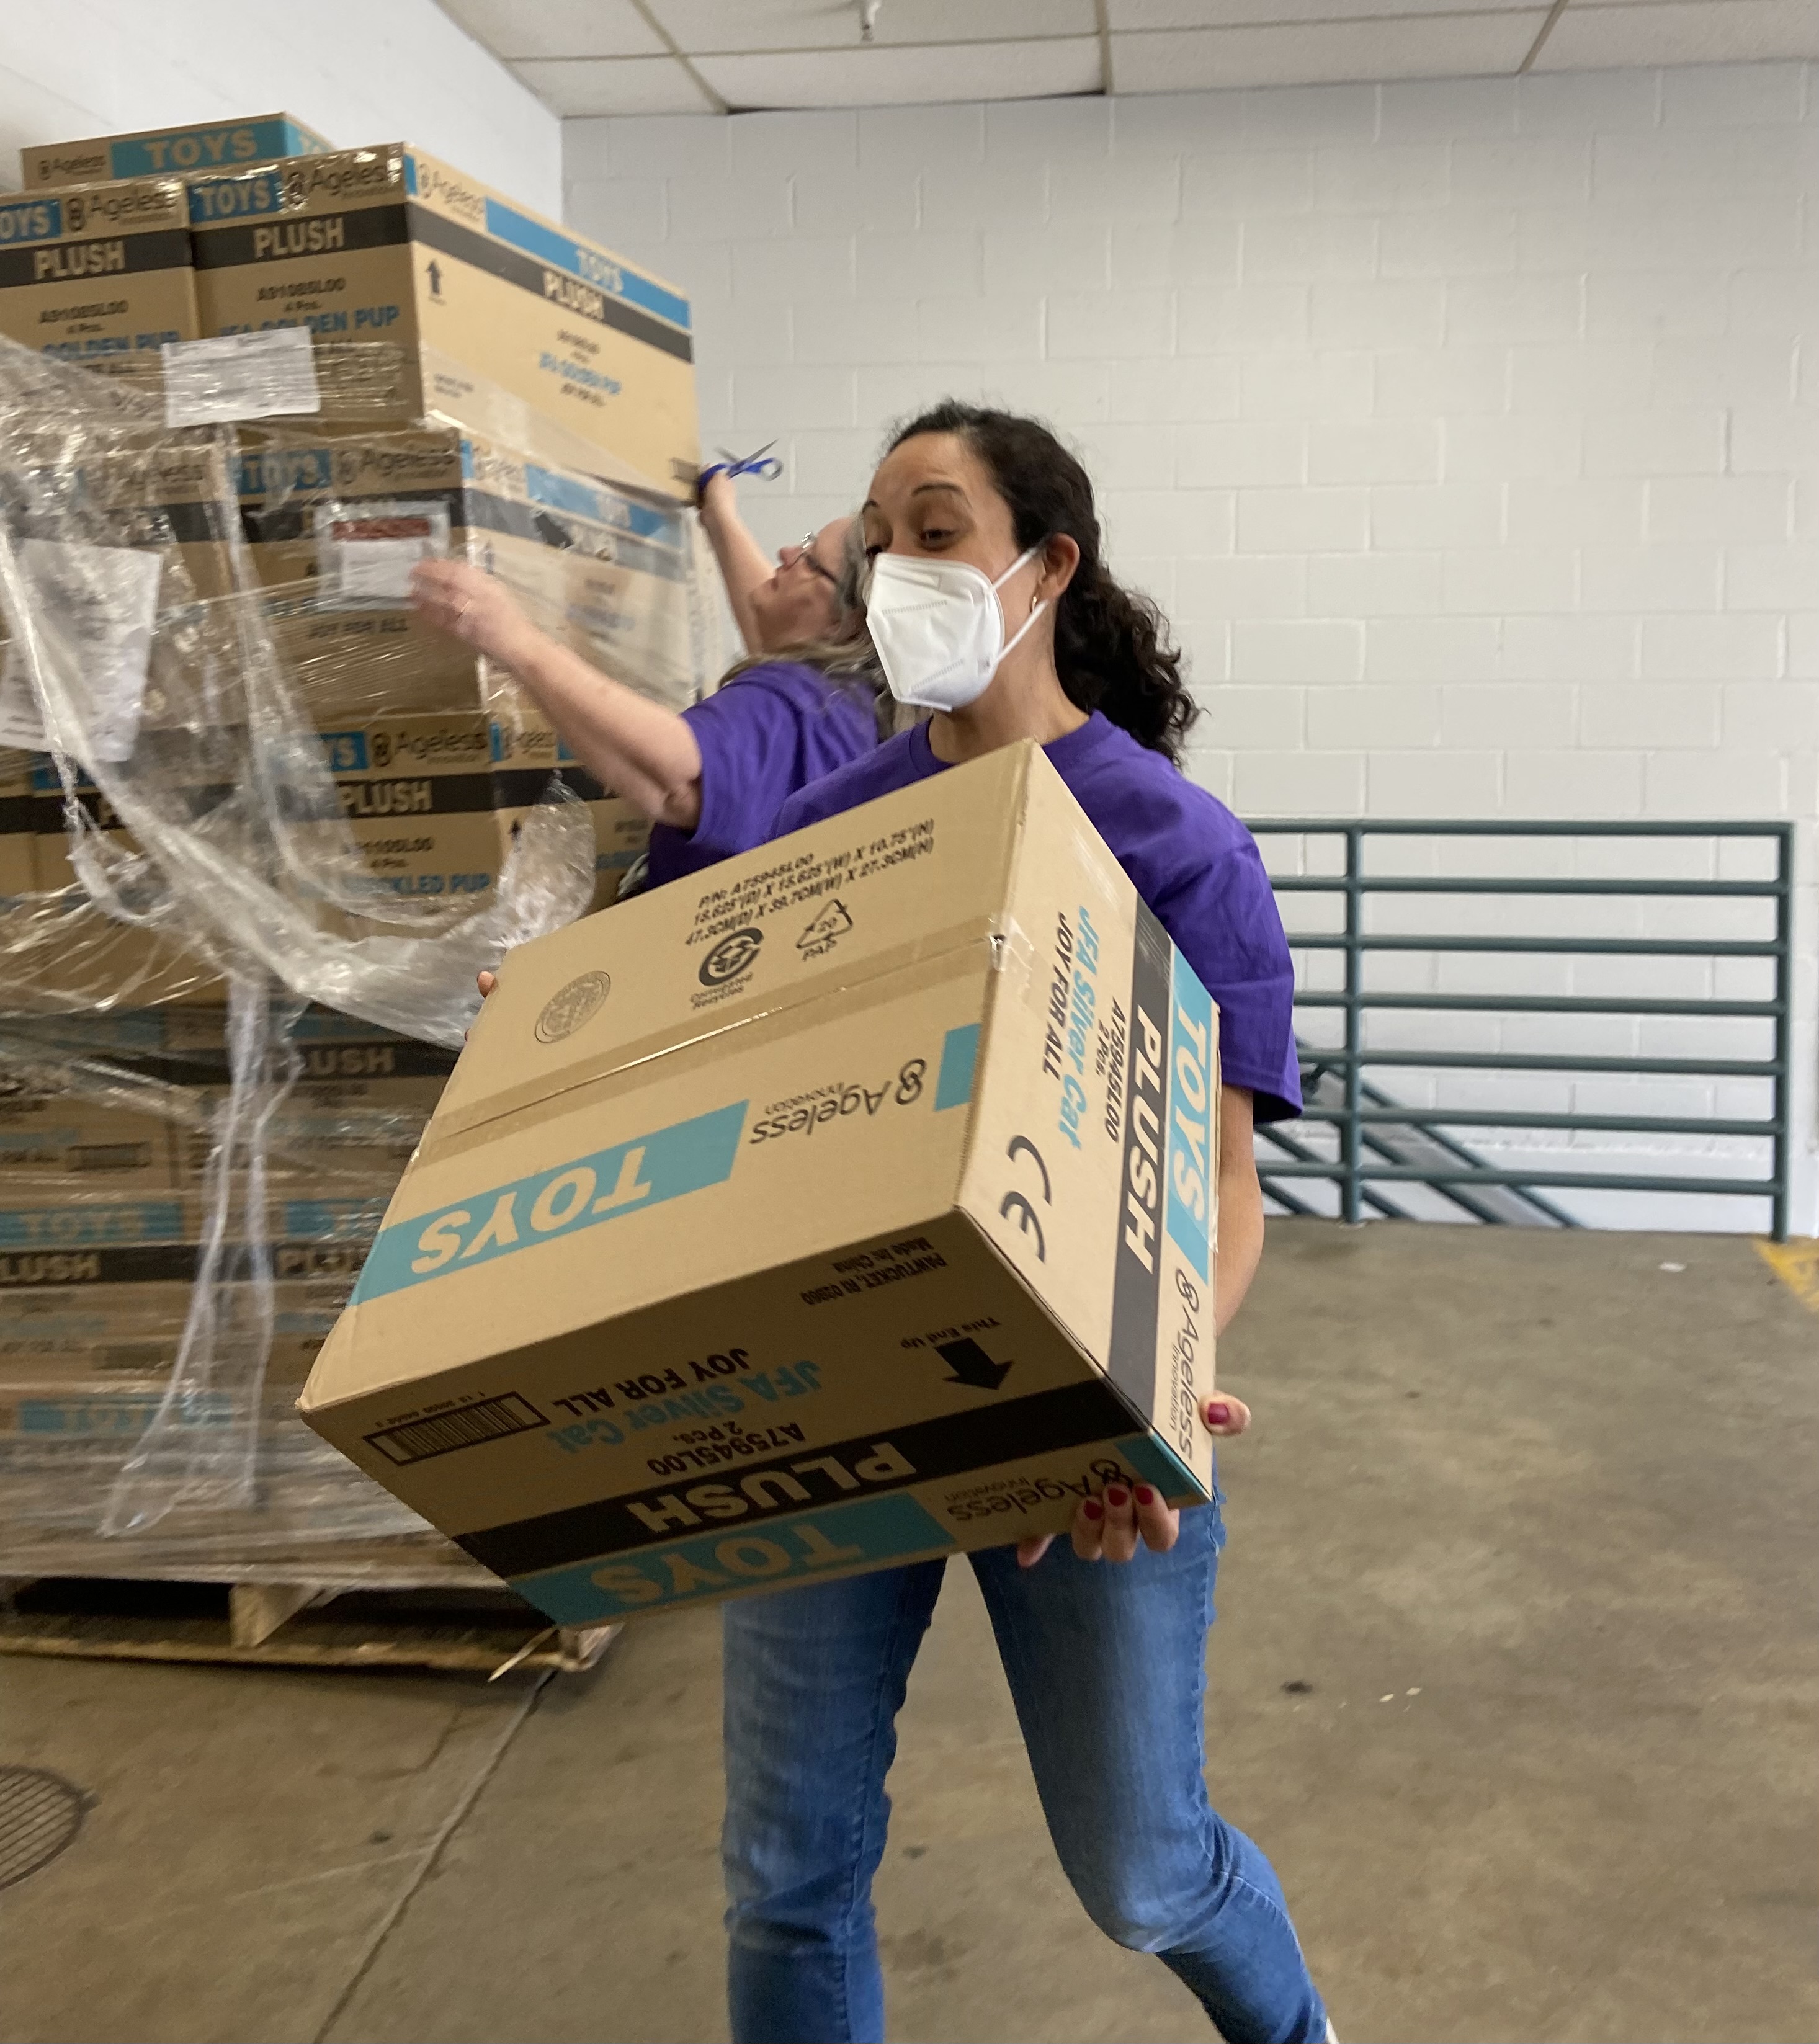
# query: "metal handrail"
{"points": [[1367, 1121]]}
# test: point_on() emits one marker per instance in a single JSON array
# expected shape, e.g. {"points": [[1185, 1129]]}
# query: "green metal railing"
{"points": [[1376, 1135]]}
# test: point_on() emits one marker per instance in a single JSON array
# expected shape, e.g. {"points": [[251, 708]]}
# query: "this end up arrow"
{"points": [[970, 1365]]}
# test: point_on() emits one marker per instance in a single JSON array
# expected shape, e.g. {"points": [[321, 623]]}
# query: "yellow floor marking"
{"points": [[1797, 1265]]}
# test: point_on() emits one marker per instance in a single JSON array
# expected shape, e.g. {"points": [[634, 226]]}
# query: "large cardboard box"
{"points": [[850, 1203], [99, 274], [337, 520], [508, 323], [159, 152]]}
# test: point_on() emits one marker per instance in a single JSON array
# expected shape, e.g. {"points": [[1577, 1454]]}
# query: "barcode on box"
{"points": [[491, 1419], [110, 1156]]}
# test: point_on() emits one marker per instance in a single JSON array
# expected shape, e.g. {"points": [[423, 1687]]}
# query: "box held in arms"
{"points": [[505, 323], [222, 145], [851, 1203], [99, 275]]}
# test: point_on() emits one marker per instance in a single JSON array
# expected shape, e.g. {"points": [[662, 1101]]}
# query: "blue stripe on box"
{"points": [[870, 1531], [561, 252], [86, 1228], [166, 155], [959, 1053], [1193, 1168], [31, 220], [1157, 1463], [582, 1193]]}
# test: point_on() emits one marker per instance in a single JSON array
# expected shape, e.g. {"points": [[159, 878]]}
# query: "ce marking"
{"points": [[1018, 1204]]}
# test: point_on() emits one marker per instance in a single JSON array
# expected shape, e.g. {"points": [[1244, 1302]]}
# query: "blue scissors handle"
{"points": [[760, 462]]}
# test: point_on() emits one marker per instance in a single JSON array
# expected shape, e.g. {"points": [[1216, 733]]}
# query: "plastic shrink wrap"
{"points": [[259, 830]]}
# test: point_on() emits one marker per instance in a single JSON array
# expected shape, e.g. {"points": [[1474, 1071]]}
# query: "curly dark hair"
{"points": [[1111, 645]]}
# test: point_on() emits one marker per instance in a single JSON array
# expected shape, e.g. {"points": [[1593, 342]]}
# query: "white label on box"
{"points": [[93, 612], [267, 375], [364, 555]]}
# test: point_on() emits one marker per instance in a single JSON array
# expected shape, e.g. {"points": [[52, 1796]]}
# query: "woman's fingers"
{"points": [[1157, 1521], [1119, 1541], [1031, 1551], [486, 981], [1088, 1528], [1224, 1416]]}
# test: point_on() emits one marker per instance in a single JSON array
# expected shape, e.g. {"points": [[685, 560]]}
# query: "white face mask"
{"points": [[939, 627]]}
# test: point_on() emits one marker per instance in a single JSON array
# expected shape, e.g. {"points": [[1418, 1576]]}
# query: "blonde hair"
{"points": [[846, 656]]}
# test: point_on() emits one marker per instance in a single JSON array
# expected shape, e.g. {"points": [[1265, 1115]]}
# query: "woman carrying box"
{"points": [[989, 604], [711, 779]]}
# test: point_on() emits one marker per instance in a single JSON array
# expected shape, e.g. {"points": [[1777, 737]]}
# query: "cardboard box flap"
{"points": [[832, 906]]}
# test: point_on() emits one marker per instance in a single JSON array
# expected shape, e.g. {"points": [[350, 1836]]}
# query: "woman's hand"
{"points": [[486, 982], [1109, 1527], [472, 606]]}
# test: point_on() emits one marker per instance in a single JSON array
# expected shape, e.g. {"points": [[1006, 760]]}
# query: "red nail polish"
{"points": [[1116, 1494], [1092, 1508], [1145, 1494], [1218, 1413]]}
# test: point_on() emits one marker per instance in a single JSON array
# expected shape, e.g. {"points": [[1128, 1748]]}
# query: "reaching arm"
{"points": [[743, 564], [635, 747]]}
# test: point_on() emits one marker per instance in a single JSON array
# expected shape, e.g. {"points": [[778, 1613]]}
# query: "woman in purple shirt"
{"points": [[711, 777], [990, 604]]}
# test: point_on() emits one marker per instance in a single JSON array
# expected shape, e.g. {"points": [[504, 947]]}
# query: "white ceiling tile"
{"points": [[1679, 32], [726, 27], [1434, 46], [615, 85], [881, 77], [557, 27], [1132, 15]]}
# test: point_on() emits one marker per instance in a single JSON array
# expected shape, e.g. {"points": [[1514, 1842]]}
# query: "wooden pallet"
{"points": [[300, 1624]]}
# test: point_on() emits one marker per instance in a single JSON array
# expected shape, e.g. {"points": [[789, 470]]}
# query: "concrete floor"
{"points": [[1528, 1515]]}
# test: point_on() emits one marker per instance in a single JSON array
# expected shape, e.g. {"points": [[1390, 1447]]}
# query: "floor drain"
{"points": [[40, 1814]]}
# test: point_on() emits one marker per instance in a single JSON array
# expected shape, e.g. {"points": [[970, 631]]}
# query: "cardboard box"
{"points": [[18, 819], [176, 499], [99, 272], [849, 1203], [337, 520], [508, 323], [50, 1135], [102, 1333], [79, 951], [159, 152]]}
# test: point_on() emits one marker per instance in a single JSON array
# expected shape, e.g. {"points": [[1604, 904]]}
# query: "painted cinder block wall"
{"points": [[1466, 430]]}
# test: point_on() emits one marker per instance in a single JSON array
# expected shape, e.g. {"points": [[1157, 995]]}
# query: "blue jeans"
{"points": [[1107, 1666]]}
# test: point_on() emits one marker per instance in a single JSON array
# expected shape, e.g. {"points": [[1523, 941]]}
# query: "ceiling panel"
{"points": [[558, 28], [1679, 32], [1328, 52], [1151, 14], [880, 77], [615, 85], [725, 26], [605, 56]]}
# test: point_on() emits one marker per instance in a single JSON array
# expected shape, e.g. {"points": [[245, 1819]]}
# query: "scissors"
{"points": [[760, 462]]}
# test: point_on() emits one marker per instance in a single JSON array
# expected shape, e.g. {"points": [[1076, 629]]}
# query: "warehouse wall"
{"points": [[1463, 428], [398, 71]]}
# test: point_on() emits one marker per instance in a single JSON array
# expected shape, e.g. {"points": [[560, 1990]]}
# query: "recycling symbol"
{"points": [[825, 931]]}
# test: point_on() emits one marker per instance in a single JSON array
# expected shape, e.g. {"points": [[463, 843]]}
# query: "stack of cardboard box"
{"points": [[483, 384]]}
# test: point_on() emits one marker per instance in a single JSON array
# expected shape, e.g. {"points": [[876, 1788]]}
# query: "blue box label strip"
{"points": [[666, 1164]]}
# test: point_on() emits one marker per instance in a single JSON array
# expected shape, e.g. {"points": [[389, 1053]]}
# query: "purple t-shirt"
{"points": [[1188, 856], [769, 731]]}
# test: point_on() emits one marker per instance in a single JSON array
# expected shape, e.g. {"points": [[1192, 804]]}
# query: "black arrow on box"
{"points": [[970, 1365]]}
